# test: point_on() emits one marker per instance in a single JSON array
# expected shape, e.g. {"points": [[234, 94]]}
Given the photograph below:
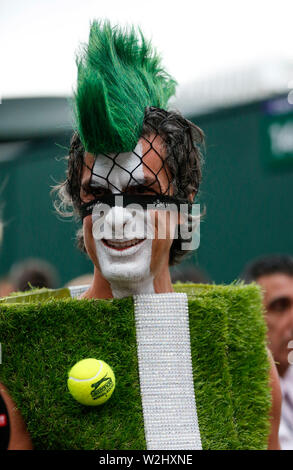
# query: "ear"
{"points": [[190, 198]]}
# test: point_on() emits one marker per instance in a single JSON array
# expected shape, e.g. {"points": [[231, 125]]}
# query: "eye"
{"points": [[280, 305], [95, 191], [140, 189], [86, 191], [98, 191]]}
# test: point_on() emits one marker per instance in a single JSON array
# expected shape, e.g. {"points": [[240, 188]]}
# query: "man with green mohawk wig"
{"points": [[129, 149], [197, 373]]}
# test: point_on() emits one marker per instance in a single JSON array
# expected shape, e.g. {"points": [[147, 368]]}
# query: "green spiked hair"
{"points": [[119, 75]]}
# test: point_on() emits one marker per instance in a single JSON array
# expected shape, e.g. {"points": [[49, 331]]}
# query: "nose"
{"points": [[116, 220], [287, 323]]}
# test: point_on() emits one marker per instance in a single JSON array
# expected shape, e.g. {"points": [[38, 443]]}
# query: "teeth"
{"points": [[127, 244]]}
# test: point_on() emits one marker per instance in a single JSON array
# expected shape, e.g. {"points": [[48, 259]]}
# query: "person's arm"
{"points": [[275, 414], [19, 435]]}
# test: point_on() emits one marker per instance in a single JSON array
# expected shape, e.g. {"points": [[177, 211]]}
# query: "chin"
{"points": [[120, 272], [131, 265]]}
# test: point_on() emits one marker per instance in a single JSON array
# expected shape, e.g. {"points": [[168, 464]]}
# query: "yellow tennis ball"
{"points": [[91, 382]]}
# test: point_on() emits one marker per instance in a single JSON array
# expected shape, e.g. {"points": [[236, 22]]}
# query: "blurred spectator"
{"points": [[274, 274], [6, 287], [190, 274], [33, 272]]}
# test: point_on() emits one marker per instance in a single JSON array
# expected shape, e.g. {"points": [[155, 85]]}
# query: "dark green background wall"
{"points": [[32, 227], [247, 194]]}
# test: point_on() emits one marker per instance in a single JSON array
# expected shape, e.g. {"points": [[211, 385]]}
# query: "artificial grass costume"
{"points": [[215, 337], [42, 340]]}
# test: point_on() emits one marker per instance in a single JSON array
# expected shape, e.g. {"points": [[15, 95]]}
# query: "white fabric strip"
{"points": [[165, 372], [76, 291]]}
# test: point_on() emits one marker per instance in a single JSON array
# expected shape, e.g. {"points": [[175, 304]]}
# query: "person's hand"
{"points": [[19, 435]]}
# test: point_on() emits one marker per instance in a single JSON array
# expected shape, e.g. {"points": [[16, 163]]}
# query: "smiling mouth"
{"points": [[123, 245]]}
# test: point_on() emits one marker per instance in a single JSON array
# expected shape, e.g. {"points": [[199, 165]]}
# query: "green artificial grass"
{"points": [[41, 341], [230, 365], [249, 366]]}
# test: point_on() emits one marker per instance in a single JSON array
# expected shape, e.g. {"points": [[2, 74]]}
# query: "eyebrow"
{"points": [[90, 183], [145, 181]]}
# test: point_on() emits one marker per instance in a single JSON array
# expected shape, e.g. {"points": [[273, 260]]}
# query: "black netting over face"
{"points": [[182, 159], [163, 170]]}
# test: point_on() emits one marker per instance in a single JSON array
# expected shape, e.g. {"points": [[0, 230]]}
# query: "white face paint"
{"points": [[124, 261], [120, 173]]}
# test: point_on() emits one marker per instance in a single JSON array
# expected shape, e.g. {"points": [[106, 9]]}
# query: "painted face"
{"points": [[125, 256], [278, 302]]}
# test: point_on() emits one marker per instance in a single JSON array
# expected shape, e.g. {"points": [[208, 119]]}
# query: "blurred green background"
{"points": [[247, 186]]}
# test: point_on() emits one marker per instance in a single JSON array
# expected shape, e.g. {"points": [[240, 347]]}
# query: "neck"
{"points": [[282, 369], [102, 289]]}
